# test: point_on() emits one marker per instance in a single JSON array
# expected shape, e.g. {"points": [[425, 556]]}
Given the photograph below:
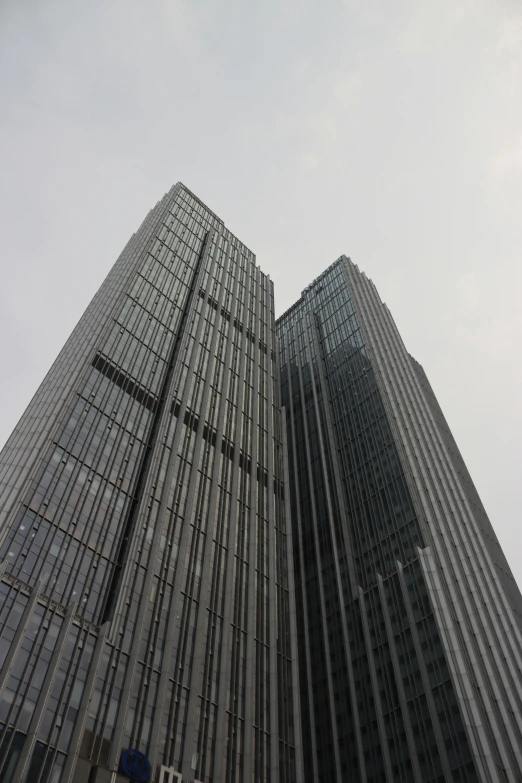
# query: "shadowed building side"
{"points": [[409, 648]]}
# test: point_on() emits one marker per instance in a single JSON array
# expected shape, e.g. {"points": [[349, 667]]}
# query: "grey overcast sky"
{"points": [[390, 131]]}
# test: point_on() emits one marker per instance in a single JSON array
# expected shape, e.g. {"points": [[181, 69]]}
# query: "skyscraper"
{"points": [[409, 628], [146, 623]]}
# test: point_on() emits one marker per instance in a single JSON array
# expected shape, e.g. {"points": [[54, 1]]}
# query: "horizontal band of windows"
{"points": [[237, 324], [163, 331], [163, 318], [45, 600], [155, 287], [129, 309], [124, 381], [191, 419], [78, 537]]}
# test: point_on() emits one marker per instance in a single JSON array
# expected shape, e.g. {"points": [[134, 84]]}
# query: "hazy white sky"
{"points": [[390, 131]]}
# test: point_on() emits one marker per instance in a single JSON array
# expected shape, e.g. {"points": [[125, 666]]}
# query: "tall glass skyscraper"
{"points": [[146, 615], [198, 587], [409, 620]]}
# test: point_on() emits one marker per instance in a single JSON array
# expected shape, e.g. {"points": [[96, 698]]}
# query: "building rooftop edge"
{"points": [[316, 280], [220, 221]]}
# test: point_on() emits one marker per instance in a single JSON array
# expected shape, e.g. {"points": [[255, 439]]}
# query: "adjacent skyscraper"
{"points": [[409, 625], [146, 615]]}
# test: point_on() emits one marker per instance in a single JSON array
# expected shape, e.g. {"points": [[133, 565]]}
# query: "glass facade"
{"points": [[235, 590], [408, 637], [147, 592]]}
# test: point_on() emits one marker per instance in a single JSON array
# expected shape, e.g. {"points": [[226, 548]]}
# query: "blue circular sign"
{"points": [[135, 765]]}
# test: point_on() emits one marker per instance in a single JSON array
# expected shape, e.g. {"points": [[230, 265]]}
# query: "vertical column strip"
{"points": [[196, 674], [399, 681], [254, 590], [297, 523], [375, 688], [76, 738], [19, 635], [292, 607], [330, 438], [220, 762], [324, 625], [25, 757], [424, 675], [272, 554]]}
